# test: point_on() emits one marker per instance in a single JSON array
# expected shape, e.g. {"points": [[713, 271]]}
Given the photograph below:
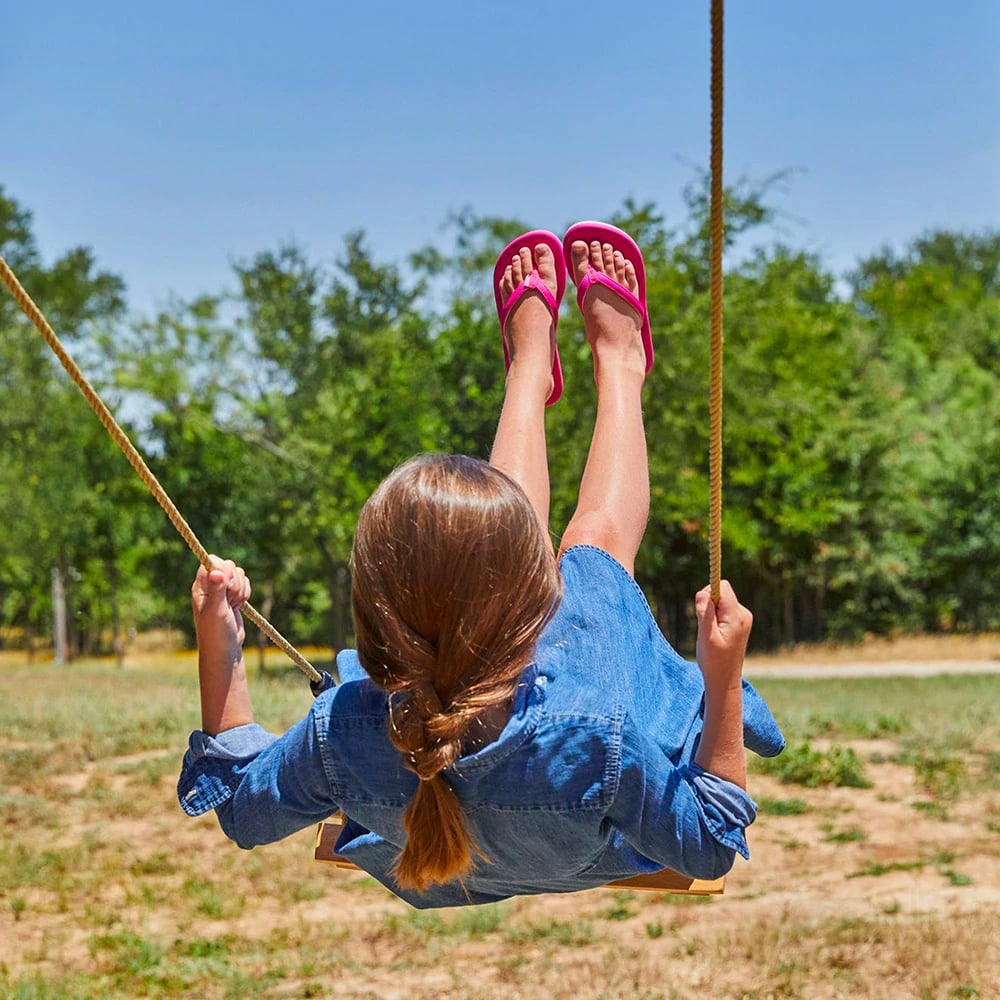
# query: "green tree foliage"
{"points": [[64, 502], [862, 448], [185, 368], [349, 357], [933, 321]]}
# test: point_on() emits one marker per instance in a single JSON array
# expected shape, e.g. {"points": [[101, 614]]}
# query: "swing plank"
{"points": [[663, 881]]}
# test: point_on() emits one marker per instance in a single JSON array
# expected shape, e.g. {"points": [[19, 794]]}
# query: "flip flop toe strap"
{"points": [[532, 283], [595, 277]]}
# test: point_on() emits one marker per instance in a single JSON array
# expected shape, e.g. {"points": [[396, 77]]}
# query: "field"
{"points": [[875, 871]]}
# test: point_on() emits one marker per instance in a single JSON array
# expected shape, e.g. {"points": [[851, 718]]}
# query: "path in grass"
{"points": [[869, 668]]}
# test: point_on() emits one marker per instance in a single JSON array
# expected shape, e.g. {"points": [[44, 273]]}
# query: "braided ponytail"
{"points": [[430, 739], [453, 581]]}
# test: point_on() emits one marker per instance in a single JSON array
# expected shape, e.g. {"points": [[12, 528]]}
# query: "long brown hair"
{"points": [[453, 580]]}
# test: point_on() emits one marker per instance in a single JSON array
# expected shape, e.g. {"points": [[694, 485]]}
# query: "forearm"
{"points": [[720, 751], [225, 694]]}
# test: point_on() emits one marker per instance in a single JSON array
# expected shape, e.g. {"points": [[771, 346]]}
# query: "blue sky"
{"points": [[175, 138]]}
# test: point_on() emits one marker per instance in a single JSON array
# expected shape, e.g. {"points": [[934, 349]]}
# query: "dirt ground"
{"points": [[851, 892]]}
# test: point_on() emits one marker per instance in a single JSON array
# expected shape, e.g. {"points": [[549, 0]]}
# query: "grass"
{"points": [[848, 836], [621, 908], [875, 868], [940, 774], [943, 711], [956, 878], [802, 765], [96, 710], [26, 811], [782, 807], [459, 925], [109, 892], [565, 933]]}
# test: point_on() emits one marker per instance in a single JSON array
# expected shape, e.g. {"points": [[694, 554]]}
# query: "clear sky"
{"points": [[176, 137]]}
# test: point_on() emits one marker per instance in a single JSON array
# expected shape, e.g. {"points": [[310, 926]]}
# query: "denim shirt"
{"points": [[592, 779]]}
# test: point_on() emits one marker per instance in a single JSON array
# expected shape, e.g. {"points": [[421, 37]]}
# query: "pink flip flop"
{"points": [[603, 233], [533, 281]]}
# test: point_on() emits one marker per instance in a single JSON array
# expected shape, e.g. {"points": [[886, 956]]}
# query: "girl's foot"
{"points": [[613, 327], [529, 332]]}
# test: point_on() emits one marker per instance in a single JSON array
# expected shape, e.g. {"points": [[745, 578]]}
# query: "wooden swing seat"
{"points": [[662, 881]]}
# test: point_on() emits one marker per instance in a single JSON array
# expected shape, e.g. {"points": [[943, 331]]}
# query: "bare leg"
{"points": [[519, 446], [614, 493]]}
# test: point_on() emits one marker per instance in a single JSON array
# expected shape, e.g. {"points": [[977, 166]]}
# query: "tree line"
{"points": [[861, 439]]}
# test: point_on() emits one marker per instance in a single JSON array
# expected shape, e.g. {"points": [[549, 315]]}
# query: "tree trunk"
{"points": [[60, 638], [341, 596], [266, 607], [117, 643], [338, 587], [788, 600]]}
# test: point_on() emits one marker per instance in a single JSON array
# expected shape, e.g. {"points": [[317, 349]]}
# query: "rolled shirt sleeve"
{"points": [[682, 817], [262, 787], [213, 765]]}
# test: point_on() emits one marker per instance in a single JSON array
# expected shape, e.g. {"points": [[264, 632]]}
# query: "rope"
{"points": [[715, 295], [131, 453]]}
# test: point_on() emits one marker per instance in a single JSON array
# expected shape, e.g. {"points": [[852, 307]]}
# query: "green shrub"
{"points": [[802, 765]]}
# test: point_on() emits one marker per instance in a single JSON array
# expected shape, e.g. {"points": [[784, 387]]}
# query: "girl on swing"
{"points": [[512, 721]]}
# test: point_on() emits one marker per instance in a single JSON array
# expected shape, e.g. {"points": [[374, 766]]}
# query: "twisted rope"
{"points": [[131, 453], [715, 295]]}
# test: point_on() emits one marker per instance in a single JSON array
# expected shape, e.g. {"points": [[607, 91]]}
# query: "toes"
{"points": [[507, 282], [603, 257], [608, 258], [517, 271], [546, 263], [597, 256], [527, 264], [619, 267], [631, 282], [579, 254]]}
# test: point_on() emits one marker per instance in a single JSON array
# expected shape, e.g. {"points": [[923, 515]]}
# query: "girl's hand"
{"points": [[216, 598], [723, 631]]}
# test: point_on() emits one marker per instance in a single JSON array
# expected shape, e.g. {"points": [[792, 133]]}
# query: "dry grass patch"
{"points": [[109, 891]]}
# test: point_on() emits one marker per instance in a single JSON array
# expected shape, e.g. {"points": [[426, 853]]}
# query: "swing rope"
{"points": [[715, 296], [120, 438], [40, 323]]}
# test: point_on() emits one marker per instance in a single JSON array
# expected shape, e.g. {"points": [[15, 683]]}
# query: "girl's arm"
{"points": [[723, 631], [216, 597], [262, 787]]}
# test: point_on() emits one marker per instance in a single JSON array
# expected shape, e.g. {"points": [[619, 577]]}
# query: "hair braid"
{"points": [[452, 583]]}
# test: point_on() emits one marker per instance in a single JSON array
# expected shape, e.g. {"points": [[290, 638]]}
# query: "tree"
{"points": [[54, 515], [861, 450], [933, 317]]}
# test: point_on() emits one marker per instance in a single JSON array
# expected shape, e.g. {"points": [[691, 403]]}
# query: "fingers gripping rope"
{"points": [[131, 453]]}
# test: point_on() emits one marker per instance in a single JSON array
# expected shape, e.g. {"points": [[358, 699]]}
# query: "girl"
{"points": [[509, 723]]}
